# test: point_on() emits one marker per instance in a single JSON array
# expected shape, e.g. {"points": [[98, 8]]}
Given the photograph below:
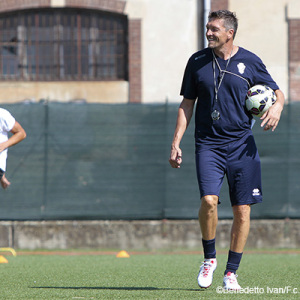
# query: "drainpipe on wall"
{"points": [[206, 10]]}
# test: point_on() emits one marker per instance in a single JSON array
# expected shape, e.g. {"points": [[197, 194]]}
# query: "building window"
{"points": [[63, 44]]}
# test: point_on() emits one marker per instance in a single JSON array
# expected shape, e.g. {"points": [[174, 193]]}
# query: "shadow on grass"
{"points": [[124, 288]]}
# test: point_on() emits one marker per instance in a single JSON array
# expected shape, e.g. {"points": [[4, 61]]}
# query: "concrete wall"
{"points": [[92, 91], [164, 234], [169, 37], [263, 29]]}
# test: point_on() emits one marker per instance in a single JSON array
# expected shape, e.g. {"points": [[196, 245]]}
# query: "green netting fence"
{"points": [[100, 161]]}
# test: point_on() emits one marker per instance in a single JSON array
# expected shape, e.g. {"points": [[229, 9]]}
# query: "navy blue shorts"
{"points": [[241, 164]]}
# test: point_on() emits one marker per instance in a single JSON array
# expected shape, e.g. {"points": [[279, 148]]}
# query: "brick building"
{"points": [[119, 51]]}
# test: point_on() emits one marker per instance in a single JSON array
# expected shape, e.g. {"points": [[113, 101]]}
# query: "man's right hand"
{"points": [[175, 157]]}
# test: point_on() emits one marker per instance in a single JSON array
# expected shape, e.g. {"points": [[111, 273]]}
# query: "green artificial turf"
{"points": [[144, 276]]}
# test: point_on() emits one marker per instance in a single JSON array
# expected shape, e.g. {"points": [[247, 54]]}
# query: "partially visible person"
{"points": [[8, 124], [4, 182]]}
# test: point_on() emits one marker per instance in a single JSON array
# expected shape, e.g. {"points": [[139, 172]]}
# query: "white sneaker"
{"points": [[230, 282], [206, 272]]}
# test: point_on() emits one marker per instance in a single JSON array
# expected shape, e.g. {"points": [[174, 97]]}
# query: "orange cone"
{"points": [[123, 253], [3, 260]]}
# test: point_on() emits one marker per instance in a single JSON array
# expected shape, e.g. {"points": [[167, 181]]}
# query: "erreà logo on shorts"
{"points": [[255, 192]]}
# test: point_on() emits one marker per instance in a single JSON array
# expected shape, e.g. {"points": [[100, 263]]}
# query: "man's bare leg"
{"points": [[208, 216], [208, 220], [240, 227], [239, 234]]}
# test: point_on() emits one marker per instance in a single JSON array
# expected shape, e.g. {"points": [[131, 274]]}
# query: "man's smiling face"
{"points": [[216, 33]]}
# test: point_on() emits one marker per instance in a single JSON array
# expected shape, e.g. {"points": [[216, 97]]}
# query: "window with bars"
{"points": [[63, 44]]}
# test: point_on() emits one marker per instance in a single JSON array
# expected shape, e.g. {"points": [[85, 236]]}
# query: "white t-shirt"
{"points": [[7, 122]]}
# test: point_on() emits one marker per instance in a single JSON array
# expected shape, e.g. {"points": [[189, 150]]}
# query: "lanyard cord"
{"points": [[239, 77], [222, 72]]}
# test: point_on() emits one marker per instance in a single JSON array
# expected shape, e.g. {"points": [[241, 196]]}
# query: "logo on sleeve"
{"points": [[199, 57]]}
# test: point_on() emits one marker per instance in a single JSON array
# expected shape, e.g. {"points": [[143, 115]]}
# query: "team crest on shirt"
{"points": [[241, 68]]}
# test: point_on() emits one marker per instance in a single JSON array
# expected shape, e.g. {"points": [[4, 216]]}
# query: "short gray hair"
{"points": [[230, 19]]}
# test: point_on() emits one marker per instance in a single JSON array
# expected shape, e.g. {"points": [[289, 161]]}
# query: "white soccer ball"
{"points": [[259, 99]]}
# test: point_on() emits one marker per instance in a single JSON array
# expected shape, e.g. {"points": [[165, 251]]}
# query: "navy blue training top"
{"points": [[246, 70]]}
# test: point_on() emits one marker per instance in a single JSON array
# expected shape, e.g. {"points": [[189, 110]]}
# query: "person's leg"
{"points": [[210, 174], [240, 227], [239, 234], [208, 216], [208, 219], [244, 179]]}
